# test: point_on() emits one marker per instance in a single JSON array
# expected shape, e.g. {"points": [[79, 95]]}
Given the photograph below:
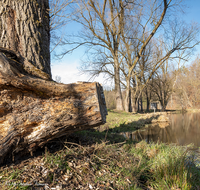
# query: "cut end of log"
{"points": [[102, 102], [34, 111]]}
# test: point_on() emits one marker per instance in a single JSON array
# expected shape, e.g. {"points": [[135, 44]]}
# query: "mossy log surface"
{"points": [[34, 111]]}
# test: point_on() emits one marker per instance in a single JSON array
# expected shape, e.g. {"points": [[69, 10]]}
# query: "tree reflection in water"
{"points": [[183, 129]]}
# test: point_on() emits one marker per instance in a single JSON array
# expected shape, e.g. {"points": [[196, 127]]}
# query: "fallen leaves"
{"points": [[76, 167]]}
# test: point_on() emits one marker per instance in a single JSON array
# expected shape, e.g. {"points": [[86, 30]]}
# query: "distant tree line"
{"points": [[188, 85], [174, 89]]}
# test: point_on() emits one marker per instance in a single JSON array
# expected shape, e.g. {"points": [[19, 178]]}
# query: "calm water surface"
{"points": [[183, 129]]}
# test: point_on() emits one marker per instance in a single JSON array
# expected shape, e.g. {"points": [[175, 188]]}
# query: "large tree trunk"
{"points": [[34, 111], [33, 108], [24, 28]]}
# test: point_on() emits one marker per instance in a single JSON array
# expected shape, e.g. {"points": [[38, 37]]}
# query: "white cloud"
{"points": [[69, 73]]}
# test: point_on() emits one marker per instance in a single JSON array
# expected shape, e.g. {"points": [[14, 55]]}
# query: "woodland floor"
{"points": [[101, 158]]}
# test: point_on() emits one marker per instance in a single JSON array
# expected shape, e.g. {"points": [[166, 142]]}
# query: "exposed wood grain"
{"points": [[34, 111]]}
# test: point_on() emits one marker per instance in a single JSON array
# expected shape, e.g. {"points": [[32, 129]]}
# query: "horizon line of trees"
{"points": [[173, 89]]}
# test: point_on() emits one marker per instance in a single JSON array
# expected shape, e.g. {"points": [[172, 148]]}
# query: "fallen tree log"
{"points": [[34, 111]]}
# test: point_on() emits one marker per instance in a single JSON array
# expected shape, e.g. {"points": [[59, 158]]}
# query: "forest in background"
{"points": [[175, 89]]}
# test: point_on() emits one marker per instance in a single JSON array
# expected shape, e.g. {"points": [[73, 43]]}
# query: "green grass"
{"points": [[117, 123], [57, 159], [109, 161], [167, 166], [124, 166], [158, 166], [193, 110], [117, 118]]}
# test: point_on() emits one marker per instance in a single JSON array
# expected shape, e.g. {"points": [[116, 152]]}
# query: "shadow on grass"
{"points": [[113, 135], [129, 126], [173, 175], [89, 137]]}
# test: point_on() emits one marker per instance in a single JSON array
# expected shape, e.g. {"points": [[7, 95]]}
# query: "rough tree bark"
{"points": [[34, 111], [33, 108], [24, 28]]}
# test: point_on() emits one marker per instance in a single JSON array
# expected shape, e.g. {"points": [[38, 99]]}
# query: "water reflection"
{"points": [[183, 129]]}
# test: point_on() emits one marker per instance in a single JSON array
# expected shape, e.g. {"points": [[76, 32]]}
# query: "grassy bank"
{"points": [[103, 159], [193, 110]]}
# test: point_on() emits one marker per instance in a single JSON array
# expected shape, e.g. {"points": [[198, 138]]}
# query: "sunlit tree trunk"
{"points": [[133, 97], [127, 102], [119, 102], [24, 28]]}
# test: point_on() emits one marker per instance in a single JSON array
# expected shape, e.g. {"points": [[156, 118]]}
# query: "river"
{"points": [[183, 129]]}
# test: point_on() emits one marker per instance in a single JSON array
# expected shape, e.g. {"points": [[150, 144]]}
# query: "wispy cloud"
{"points": [[69, 73]]}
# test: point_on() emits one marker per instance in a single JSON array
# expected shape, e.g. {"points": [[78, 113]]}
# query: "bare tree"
{"points": [[103, 25], [180, 38], [106, 26], [60, 14], [117, 34], [162, 84]]}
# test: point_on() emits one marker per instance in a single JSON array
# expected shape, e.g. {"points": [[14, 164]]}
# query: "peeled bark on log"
{"points": [[34, 111]]}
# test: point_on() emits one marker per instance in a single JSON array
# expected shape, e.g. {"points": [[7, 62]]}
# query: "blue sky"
{"points": [[193, 11], [67, 68]]}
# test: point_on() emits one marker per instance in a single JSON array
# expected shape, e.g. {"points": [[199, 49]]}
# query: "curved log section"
{"points": [[34, 111]]}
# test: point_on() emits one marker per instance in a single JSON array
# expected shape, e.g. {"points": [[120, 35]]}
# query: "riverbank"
{"points": [[193, 110], [101, 158]]}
